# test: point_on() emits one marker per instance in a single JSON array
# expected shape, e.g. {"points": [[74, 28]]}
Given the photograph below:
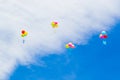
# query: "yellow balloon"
{"points": [[66, 46], [22, 35], [54, 25], [26, 33]]}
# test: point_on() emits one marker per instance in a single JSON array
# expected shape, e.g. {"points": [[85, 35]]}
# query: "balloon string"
{"points": [[23, 41], [104, 42]]}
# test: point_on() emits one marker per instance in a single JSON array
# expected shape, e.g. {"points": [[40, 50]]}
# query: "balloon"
{"points": [[103, 36], [23, 31], [26, 33], [67, 46], [22, 35], [103, 32], [70, 45], [104, 42], [54, 24]]}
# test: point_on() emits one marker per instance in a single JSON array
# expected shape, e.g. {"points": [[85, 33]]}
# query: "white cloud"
{"points": [[78, 20]]}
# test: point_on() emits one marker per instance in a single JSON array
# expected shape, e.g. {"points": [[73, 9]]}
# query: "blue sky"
{"points": [[93, 61]]}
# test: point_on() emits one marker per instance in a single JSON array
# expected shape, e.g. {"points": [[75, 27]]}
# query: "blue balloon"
{"points": [[104, 32], [104, 42]]}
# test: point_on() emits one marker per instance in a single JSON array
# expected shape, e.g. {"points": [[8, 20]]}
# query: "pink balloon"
{"points": [[69, 45], [72, 46], [56, 22]]}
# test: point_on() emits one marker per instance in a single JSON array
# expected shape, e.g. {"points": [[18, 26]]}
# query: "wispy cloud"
{"points": [[78, 20]]}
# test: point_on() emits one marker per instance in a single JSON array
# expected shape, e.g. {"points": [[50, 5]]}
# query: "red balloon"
{"points": [[23, 31], [105, 36]]}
